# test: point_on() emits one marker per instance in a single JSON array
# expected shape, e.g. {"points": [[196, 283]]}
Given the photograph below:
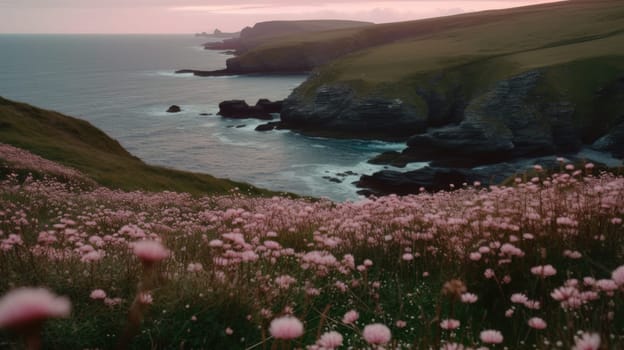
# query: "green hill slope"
{"points": [[78, 144], [263, 32], [474, 34], [521, 39], [543, 79]]}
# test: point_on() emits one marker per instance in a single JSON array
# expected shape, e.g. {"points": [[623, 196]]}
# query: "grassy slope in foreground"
{"points": [[78, 144]]}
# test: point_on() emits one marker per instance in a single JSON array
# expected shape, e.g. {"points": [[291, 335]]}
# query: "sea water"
{"points": [[123, 84]]}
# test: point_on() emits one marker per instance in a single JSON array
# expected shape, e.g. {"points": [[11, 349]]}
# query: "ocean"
{"points": [[123, 84]]}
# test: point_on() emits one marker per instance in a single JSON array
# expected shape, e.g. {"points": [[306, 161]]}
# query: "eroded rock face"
{"points": [[508, 121], [338, 109], [613, 142]]}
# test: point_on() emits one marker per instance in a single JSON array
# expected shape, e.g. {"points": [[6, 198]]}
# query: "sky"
{"points": [[190, 16]]}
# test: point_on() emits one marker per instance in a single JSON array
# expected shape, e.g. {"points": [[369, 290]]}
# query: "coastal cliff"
{"points": [[486, 94]]}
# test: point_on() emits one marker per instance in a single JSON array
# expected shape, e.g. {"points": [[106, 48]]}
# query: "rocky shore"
{"points": [[485, 139]]}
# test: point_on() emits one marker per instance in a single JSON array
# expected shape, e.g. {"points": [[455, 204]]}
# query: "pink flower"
{"points": [[607, 285], [475, 256], [618, 276], [587, 341], [489, 273], [150, 251], [194, 267], [400, 324], [544, 271], [450, 324], [112, 302], [509, 313], [22, 306], [98, 294], [519, 298], [286, 327], [330, 340], [350, 317], [146, 298], [491, 336], [537, 323], [469, 298], [229, 331], [377, 334]]}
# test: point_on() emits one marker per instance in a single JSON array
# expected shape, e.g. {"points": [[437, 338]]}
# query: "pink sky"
{"points": [[189, 16]]}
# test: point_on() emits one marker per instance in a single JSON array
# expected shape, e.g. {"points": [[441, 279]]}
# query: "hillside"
{"points": [[531, 27], [506, 83], [263, 32], [78, 144]]}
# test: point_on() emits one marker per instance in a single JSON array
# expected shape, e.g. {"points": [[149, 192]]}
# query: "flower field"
{"points": [[536, 265]]}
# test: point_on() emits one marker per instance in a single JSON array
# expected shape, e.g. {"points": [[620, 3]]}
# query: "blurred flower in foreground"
{"points": [[25, 309]]}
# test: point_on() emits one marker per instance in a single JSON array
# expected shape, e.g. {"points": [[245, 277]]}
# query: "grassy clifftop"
{"points": [[263, 32], [78, 144], [531, 36], [509, 41]]}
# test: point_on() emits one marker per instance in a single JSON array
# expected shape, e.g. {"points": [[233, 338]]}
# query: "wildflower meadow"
{"points": [[538, 264]]}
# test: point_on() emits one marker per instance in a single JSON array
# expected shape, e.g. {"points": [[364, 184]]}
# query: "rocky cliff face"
{"points": [[339, 110], [509, 120], [459, 132]]}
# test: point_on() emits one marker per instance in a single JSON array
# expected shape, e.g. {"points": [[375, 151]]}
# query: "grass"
{"points": [[405, 262], [389, 52], [265, 32], [78, 144]]}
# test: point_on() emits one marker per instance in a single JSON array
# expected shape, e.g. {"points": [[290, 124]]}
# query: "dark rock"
{"points": [[368, 193], [239, 109], [432, 179], [268, 106], [445, 106], [332, 179], [266, 127], [204, 114], [240, 126], [339, 110], [613, 142], [439, 178], [174, 109], [393, 158]]}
